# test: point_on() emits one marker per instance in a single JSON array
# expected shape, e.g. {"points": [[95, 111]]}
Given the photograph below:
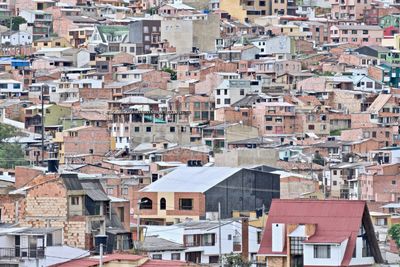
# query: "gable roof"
{"points": [[335, 220], [191, 179]]}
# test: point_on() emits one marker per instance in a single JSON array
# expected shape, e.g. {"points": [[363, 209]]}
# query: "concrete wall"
{"points": [[246, 157]]}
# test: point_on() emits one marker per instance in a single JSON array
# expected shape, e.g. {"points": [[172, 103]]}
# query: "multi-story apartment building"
{"points": [[145, 34], [231, 91], [349, 9], [246, 11], [356, 34], [273, 118]]}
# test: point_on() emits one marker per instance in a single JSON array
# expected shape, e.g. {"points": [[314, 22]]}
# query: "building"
{"points": [[356, 34], [301, 232], [144, 34], [246, 11], [16, 38], [352, 10], [185, 193], [198, 241], [231, 91]]}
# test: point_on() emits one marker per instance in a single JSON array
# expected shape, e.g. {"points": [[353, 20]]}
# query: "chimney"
{"points": [[245, 239], [278, 237]]}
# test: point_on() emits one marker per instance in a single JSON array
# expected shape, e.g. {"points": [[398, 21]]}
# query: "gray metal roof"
{"points": [[94, 190], [153, 243], [191, 179]]}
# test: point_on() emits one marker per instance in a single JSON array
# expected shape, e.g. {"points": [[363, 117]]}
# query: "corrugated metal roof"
{"points": [[94, 190], [191, 179]]}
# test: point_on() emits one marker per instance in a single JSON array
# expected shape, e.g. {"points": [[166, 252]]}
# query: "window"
{"points": [[268, 118], [110, 191], [227, 101], [176, 256], [229, 237], [218, 91], [137, 129], [213, 259], [146, 204], [148, 129], [322, 251], [268, 128], [241, 91], [185, 204], [393, 182], [172, 129], [163, 204], [311, 127], [335, 183], [74, 201], [124, 191], [157, 256], [296, 245]]}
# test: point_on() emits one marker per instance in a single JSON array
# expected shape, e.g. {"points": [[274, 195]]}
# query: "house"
{"points": [[319, 233], [51, 42], [39, 22], [194, 192], [80, 207], [11, 88], [231, 91], [83, 140], [245, 11], [198, 241], [349, 10], [357, 34], [27, 246], [108, 36], [144, 35], [16, 38], [218, 136]]}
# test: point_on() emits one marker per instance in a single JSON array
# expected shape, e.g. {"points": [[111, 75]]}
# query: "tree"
{"points": [[11, 154], [236, 260], [394, 233], [16, 21], [170, 71], [318, 159]]}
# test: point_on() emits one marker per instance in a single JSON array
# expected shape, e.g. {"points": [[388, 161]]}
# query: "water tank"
{"points": [[100, 239], [52, 165]]}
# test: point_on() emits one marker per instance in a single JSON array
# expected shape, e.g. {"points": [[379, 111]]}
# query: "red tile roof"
{"points": [[91, 261], [335, 220]]}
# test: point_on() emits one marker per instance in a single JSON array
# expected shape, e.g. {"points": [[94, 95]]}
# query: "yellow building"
{"points": [[51, 42], [246, 11]]}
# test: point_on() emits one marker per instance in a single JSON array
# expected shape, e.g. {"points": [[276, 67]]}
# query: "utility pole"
{"points": [[101, 255], [219, 236], [41, 96]]}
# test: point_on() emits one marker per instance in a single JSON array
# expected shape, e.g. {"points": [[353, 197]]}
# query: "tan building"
{"points": [[246, 11]]}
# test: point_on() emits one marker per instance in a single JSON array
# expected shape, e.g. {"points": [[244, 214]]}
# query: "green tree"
{"points": [[394, 233], [235, 260], [318, 159], [170, 71], [11, 154], [16, 21]]}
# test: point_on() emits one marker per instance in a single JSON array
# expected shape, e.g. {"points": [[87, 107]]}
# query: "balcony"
{"points": [[21, 253]]}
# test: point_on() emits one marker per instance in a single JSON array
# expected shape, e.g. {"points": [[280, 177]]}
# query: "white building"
{"points": [[16, 38], [231, 91], [200, 240], [10, 87], [26, 247]]}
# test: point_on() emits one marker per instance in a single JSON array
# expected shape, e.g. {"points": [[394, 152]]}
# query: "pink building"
{"points": [[274, 118], [356, 34], [349, 9]]}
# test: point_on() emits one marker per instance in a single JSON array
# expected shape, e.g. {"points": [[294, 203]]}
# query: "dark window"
{"points": [[241, 91], [213, 259], [172, 129], [157, 256], [137, 129], [393, 181], [74, 200], [163, 204], [185, 204], [146, 204], [148, 129]]}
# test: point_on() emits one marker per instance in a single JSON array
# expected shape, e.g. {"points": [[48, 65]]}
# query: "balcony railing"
{"points": [[21, 253]]}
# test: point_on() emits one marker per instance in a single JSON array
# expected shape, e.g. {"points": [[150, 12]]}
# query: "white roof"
{"points": [[137, 100], [191, 179]]}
